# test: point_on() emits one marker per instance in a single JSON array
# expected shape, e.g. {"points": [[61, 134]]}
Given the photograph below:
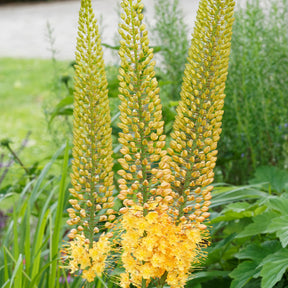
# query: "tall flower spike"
{"points": [[92, 176], [142, 126], [197, 126]]}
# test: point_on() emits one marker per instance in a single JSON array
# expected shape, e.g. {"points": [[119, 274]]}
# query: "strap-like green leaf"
{"points": [[274, 266]]}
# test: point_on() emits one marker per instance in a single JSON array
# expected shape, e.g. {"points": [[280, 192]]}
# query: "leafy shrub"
{"points": [[249, 231], [255, 125]]}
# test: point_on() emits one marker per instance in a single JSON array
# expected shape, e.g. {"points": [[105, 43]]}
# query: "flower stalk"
{"points": [[197, 126], [141, 123], [92, 176]]}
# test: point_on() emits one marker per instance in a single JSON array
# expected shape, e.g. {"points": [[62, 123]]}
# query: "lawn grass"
{"points": [[25, 85]]}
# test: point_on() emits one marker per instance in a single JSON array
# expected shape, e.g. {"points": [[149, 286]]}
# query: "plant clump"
{"points": [[165, 192]]}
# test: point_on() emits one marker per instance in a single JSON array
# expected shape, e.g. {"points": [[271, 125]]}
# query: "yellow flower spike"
{"points": [[199, 114], [141, 114], [92, 176]]}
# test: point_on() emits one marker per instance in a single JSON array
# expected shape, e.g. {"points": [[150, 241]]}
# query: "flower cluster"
{"points": [[155, 247], [91, 260]]}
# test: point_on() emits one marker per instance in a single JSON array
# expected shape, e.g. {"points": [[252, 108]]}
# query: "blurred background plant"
{"points": [[255, 125], [170, 34], [58, 106]]}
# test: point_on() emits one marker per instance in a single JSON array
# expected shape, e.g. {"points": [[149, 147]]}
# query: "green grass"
{"points": [[25, 84]]}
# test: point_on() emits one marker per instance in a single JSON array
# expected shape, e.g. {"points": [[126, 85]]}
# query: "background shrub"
{"points": [[255, 124]]}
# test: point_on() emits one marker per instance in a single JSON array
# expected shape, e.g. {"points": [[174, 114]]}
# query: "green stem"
{"points": [[17, 158], [163, 280], [141, 118], [92, 107]]}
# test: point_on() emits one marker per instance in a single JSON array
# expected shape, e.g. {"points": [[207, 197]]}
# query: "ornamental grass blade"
{"points": [[274, 266], [16, 277], [58, 225]]}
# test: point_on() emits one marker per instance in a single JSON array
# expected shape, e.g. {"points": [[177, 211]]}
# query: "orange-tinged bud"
{"points": [[80, 228], [109, 225], [103, 218], [124, 210], [83, 213]]}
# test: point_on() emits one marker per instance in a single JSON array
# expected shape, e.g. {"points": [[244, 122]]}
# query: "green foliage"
{"points": [[249, 235], [255, 128], [274, 176], [33, 235]]}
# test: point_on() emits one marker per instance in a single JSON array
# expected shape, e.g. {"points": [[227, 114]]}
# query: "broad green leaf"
{"points": [[65, 111], [226, 195], [280, 226], [198, 285], [274, 266], [243, 273], [234, 211], [260, 224], [276, 177], [208, 274], [215, 254], [217, 277], [279, 204], [238, 207], [256, 252], [65, 101]]}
